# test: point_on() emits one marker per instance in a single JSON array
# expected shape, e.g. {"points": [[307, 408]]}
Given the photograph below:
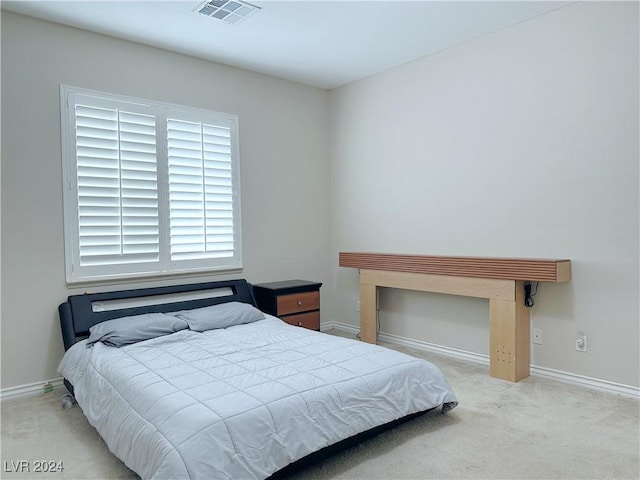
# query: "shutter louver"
{"points": [[200, 190], [117, 186]]}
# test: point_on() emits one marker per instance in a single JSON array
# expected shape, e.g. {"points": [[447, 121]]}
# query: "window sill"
{"points": [[151, 277]]}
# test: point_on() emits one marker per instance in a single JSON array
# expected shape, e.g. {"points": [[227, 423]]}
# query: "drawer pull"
{"points": [[299, 302], [299, 324]]}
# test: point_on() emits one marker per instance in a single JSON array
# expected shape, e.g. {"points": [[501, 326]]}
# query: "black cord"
{"points": [[528, 296], [534, 293]]}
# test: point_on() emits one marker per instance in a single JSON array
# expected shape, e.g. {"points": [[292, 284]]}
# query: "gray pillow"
{"points": [[222, 315], [126, 330]]}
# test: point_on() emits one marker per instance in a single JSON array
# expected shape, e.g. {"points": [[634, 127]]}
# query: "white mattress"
{"points": [[245, 401]]}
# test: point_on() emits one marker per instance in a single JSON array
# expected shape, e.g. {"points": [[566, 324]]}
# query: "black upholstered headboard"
{"points": [[81, 312]]}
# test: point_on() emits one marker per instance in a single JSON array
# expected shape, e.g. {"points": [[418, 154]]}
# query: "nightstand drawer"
{"points": [[309, 320], [298, 302]]}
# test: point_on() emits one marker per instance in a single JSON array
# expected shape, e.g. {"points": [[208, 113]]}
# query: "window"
{"points": [[149, 188]]}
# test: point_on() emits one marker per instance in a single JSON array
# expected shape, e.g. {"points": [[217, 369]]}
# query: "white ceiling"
{"points": [[321, 43]]}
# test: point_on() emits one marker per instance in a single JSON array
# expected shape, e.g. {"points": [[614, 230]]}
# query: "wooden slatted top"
{"points": [[532, 269]]}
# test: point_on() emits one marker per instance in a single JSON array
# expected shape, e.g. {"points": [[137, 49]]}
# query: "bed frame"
{"points": [[81, 312]]}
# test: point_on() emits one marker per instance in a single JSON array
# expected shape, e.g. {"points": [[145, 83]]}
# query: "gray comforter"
{"points": [[211, 405]]}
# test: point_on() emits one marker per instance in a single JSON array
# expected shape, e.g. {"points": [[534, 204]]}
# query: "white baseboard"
{"points": [[29, 389], [345, 327], [565, 377], [590, 382]]}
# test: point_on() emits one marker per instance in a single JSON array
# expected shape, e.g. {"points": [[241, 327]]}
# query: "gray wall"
{"points": [[283, 152], [522, 143]]}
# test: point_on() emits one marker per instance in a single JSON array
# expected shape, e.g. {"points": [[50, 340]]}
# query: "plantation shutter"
{"points": [[200, 189], [117, 184], [150, 188]]}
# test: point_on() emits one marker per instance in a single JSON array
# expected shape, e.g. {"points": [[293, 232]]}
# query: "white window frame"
{"points": [[77, 273]]}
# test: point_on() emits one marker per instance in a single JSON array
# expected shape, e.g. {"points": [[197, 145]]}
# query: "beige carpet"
{"points": [[536, 429]]}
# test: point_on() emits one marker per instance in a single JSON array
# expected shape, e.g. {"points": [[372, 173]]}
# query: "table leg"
{"points": [[368, 313], [509, 337]]}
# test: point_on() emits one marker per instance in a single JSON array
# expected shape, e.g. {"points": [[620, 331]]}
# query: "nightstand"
{"points": [[297, 302]]}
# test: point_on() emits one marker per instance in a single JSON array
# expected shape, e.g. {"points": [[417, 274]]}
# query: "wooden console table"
{"points": [[501, 280]]}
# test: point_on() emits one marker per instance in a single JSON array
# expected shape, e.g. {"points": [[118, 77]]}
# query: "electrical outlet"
{"points": [[581, 343], [537, 336], [358, 305]]}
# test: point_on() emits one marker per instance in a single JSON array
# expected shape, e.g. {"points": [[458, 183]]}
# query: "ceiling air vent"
{"points": [[229, 11]]}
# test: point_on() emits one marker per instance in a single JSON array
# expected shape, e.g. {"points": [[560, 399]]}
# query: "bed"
{"points": [[236, 393]]}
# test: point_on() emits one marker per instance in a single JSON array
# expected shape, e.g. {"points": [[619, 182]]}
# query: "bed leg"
{"points": [[67, 401]]}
